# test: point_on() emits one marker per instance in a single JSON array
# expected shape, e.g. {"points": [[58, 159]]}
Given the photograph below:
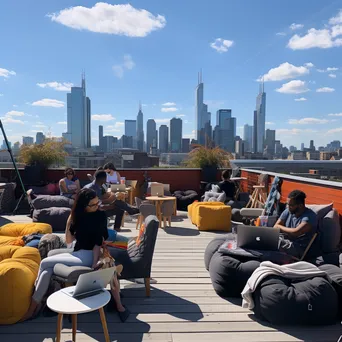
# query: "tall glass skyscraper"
{"points": [[140, 129], [163, 139], [176, 135], [79, 113], [151, 136], [130, 128], [260, 120]]}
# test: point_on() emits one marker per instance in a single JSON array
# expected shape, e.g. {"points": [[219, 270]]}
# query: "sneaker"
{"points": [[124, 315]]}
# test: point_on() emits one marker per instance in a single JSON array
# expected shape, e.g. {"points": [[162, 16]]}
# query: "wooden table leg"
{"points": [[158, 210], [104, 325], [74, 327], [59, 327]]}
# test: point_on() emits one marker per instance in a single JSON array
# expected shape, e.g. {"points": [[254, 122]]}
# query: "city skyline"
{"points": [[296, 52]]}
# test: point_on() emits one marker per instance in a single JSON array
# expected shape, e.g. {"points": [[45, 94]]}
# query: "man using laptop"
{"points": [[298, 224], [111, 205]]}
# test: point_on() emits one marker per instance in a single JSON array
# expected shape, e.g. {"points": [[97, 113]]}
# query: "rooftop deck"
{"points": [[183, 306]]}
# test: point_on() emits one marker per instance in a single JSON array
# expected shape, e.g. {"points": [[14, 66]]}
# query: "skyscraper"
{"points": [[261, 118], [185, 145], [176, 135], [163, 139], [225, 130], [255, 131], [202, 116], [270, 141], [151, 136], [248, 137], [130, 128], [222, 115], [27, 141], [140, 129], [78, 113], [40, 138], [101, 140]]}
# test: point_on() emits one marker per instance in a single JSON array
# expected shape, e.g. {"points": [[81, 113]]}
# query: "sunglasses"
{"points": [[94, 205], [70, 174]]}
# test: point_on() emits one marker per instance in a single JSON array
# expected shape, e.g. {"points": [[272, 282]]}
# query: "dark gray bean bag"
{"points": [[55, 216], [335, 274], [285, 302], [48, 201], [228, 274], [185, 198]]}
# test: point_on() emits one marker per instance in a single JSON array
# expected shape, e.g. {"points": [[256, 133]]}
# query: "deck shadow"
{"points": [[4, 221], [181, 231]]}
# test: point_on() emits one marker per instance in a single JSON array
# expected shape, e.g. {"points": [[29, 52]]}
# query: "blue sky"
{"points": [[154, 56]]}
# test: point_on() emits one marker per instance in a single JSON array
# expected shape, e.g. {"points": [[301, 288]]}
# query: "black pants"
{"points": [[118, 209]]}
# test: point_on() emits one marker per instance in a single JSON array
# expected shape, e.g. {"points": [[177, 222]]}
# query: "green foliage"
{"points": [[201, 157], [46, 154]]}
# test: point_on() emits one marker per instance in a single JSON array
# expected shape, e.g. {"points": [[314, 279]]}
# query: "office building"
{"points": [[176, 135], [127, 141], [202, 116], [222, 115], [79, 112], [185, 145], [270, 141], [312, 146], [248, 137], [225, 130], [101, 140], [302, 146], [259, 120], [27, 141], [140, 130], [130, 128], [40, 138], [239, 146], [163, 139], [255, 131], [109, 143], [151, 137]]}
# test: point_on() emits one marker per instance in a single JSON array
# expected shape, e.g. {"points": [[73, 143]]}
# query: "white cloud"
{"points": [[180, 115], [48, 103], [15, 113], [294, 26], [336, 31], [168, 104], [293, 87], [128, 64], [300, 99], [334, 130], [335, 114], [321, 70], [281, 34], [162, 121], [332, 69], [6, 73], [285, 71], [123, 20], [9, 119], [337, 19], [62, 123], [294, 131], [102, 117], [269, 123], [119, 124], [221, 45], [309, 65], [64, 86], [307, 121], [332, 75], [39, 126], [169, 109], [325, 90]]}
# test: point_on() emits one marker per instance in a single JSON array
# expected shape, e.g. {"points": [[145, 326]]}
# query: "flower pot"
{"points": [[209, 174]]}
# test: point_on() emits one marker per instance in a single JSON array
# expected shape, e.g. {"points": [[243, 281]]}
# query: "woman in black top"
{"points": [[88, 226]]}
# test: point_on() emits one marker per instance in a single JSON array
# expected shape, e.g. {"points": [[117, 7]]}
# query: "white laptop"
{"points": [[157, 190], [118, 187], [90, 284], [259, 238]]}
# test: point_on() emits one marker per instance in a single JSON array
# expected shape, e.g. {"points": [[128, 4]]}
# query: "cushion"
{"points": [[228, 274], [330, 232], [216, 217], [70, 274], [280, 300], [193, 209], [210, 196], [50, 242], [185, 198], [47, 201], [55, 216], [18, 271], [320, 209]]}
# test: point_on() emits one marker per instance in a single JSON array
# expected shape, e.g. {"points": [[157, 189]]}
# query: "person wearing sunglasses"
{"points": [[113, 176], [69, 186], [87, 225]]}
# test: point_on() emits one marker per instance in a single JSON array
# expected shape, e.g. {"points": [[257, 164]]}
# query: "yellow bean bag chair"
{"points": [[18, 272], [11, 233], [210, 216]]}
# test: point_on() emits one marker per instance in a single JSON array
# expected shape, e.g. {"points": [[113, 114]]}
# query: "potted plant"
{"points": [[38, 158], [209, 159]]}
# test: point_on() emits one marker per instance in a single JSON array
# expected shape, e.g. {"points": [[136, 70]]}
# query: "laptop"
{"points": [[259, 238], [157, 190], [90, 284], [118, 187]]}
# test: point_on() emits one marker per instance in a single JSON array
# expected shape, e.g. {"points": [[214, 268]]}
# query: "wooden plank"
{"points": [[185, 274], [140, 293], [187, 280], [167, 287]]}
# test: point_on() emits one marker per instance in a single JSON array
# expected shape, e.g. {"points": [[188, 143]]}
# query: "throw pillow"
{"points": [[215, 188], [141, 235], [320, 209]]}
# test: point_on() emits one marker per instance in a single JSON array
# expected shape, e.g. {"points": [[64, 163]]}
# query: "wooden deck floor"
{"points": [[183, 305]]}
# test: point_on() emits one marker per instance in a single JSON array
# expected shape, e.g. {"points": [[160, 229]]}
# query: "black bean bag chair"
{"points": [[48, 201], [55, 216], [335, 275], [228, 274], [283, 301], [185, 198]]}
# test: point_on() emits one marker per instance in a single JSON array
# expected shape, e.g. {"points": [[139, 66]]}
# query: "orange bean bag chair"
{"points": [[18, 272]]}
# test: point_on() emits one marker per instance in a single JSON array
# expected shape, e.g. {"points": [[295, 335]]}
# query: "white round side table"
{"points": [[62, 303]]}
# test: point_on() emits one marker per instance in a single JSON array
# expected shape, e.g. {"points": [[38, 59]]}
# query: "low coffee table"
{"points": [[62, 303]]}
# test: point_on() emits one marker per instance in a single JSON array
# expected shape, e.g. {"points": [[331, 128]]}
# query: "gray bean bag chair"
{"points": [[55, 216], [48, 201], [228, 274], [283, 301]]}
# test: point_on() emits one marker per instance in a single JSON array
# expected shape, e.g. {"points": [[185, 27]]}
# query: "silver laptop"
{"points": [[259, 238], [157, 190], [90, 284], [118, 187]]}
